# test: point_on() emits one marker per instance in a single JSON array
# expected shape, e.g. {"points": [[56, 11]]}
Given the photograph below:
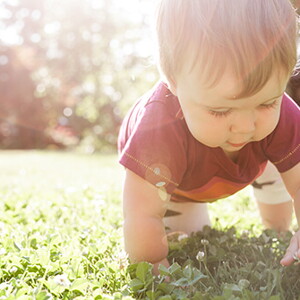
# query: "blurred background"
{"points": [[70, 69]]}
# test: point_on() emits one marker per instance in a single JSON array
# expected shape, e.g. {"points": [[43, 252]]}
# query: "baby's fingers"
{"points": [[292, 252]]}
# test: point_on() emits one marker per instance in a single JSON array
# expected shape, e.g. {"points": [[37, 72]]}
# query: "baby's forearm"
{"points": [[297, 206], [145, 239]]}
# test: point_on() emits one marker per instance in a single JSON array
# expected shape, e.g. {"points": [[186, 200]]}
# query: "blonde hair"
{"points": [[253, 38]]}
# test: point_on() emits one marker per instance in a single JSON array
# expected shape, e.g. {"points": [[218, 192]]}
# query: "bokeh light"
{"points": [[72, 66]]}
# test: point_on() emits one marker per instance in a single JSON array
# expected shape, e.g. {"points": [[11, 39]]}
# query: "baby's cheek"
{"points": [[267, 126]]}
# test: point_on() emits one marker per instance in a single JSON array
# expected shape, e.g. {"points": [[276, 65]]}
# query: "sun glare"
{"points": [[136, 11]]}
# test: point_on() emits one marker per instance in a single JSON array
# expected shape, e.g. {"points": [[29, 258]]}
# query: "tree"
{"points": [[84, 67]]}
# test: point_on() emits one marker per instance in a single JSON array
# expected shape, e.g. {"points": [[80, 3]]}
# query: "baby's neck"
{"points": [[232, 155]]}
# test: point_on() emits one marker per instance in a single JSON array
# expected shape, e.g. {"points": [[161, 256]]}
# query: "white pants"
{"points": [[193, 216], [269, 187]]}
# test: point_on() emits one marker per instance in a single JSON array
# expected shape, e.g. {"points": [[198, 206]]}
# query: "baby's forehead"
{"points": [[225, 83], [228, 88]]}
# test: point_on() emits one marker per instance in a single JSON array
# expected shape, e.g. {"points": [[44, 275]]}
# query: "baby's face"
{"points": [[217, 119]]}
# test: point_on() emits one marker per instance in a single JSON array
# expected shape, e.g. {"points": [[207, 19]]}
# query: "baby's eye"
{"points": [[220, 112], [270, 105]]}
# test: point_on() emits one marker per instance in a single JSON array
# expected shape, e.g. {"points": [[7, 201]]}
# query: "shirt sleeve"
{"points": [[283, 145], [154, 146]]}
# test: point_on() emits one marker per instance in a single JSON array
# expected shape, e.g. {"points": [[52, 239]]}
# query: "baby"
{"points": [[209, 128]]}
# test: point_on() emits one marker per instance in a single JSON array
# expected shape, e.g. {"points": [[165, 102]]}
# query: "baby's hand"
{"points": [[164, 262], [293, 251]]}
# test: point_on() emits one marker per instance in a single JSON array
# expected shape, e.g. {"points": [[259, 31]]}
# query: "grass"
{"points": [[60, 226], [61, 238]]}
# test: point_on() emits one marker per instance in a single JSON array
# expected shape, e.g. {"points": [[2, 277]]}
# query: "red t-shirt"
{"points": [[155, 143]]}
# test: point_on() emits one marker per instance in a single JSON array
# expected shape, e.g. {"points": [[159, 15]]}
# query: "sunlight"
{"points": [[136, 11], [137, 8]]}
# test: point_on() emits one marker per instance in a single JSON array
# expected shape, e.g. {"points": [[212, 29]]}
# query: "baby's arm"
{"points": [[143, 209], [291, 179]]}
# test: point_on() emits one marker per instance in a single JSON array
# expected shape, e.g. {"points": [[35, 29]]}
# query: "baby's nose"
{"points": [[244, 122]]}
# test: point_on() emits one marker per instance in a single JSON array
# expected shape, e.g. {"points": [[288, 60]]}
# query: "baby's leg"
{"points": [[274, 202], [187, 217]]}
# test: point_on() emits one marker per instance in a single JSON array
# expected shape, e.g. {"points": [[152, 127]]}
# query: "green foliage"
{"points": [[233, 266], [61, 238]]}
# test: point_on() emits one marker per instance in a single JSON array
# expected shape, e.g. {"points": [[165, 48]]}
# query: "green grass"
{"points": [[60, 214], [53, 169], [61, 238]]}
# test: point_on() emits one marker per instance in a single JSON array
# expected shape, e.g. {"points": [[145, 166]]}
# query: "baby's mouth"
{"points": [[237, 145]]}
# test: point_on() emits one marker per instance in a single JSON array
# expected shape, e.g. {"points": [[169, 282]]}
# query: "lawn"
{"points": [[61, 238]]}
